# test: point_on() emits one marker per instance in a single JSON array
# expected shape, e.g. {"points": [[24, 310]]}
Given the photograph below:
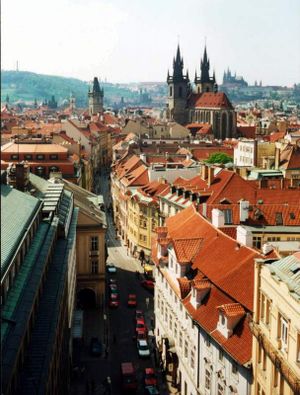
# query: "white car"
{"points": [[143, 348], [111, 268]]}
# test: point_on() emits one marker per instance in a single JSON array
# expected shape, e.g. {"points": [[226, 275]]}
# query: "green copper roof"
{"points": [[17, 211]]}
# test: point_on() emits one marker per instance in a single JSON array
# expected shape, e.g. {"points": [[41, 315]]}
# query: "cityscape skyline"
{"points": [[145, 39]]}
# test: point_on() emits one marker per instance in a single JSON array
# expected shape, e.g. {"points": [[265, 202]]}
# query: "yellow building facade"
{"points": [[276, 327], [142, 220]]}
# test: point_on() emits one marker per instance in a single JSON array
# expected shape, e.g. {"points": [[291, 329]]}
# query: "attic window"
{"points": [[278, 219], [227, 216], [292, 216]]}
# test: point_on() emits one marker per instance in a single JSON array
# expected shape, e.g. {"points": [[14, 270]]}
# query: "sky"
{"points": [[135, 40]]}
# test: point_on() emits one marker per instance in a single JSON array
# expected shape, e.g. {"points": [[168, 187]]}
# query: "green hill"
{"points": [[25, 86]]}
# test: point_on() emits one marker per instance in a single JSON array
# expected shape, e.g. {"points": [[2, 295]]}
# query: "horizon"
{"points": [[119, 83], [135, 43]]}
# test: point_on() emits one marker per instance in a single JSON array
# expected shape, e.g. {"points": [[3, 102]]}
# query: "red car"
{"points": [[148, 284], [150, 377], [139, 315], [114, 300], [140, 327], [131, 300]]}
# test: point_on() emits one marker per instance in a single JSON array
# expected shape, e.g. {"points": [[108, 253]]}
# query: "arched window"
{"points": [[207, 89], [224, 126], [216, 125], [171, 91]]}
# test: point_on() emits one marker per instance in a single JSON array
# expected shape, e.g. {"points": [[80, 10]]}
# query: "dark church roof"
{"points": [[209, 99]]}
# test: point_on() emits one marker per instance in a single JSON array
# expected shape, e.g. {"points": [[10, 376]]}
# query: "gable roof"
{"points": [[210, 100]]}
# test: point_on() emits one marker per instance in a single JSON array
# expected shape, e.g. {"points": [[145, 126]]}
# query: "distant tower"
{"points": [[72, 102], [95, 98], [179, 89], [35, 105], [7, 99], [205, 83]]}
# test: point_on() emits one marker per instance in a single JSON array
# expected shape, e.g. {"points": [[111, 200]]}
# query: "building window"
{"points": [[192, 359], [207, 342], [175, 330], [207, 379], [185, 349], [27, 156], [171, 323], [221, 355], [227, 216], [40, 157], [171, 91], [257, 242], [180, 339], [14, 157], [283, 333], [234, 368], [53, 156], [94, 243], [94, 267], [220, 389]]}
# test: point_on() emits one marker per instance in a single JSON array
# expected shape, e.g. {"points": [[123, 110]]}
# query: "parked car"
{"points": [[95, 347], [114, 300], [113, 289], [140, 326], [143, 348], [111, 268], [151, 390], [141, 335], [131, 300], [150, 377], [139, 315], [148, 284]]}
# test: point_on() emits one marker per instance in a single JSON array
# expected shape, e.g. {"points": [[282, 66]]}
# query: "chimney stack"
{"points": [[204, 172], [210, 176]]}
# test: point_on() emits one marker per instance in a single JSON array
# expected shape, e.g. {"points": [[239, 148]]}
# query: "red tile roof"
{"points": [[210, 100], [232, 309]]}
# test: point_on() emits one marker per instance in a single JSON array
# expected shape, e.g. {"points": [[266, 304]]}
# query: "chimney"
{"points": [[244, 210], [266, 248], [210, 176], [204, 172], [143, 157], [204, 209], [277, 157], [244, 236], [218, 219]]}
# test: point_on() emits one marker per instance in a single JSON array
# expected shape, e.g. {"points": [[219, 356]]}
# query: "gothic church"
{"points": [[204, 105]]}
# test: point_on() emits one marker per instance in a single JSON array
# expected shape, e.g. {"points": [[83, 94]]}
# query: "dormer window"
{"points": [[200, 289], [229, 316]]}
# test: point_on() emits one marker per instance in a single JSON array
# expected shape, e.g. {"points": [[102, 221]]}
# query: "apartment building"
{"points": [[203, 302], [275, 327], [38, 282]]}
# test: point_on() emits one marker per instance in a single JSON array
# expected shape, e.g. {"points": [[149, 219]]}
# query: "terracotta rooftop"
{"points": [[232, 309]]}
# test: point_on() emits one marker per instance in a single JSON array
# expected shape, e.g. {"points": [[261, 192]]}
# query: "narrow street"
{"points": [[115, 326]]}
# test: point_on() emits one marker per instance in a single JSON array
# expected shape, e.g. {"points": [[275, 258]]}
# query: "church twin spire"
{"points": [[178, 75]]}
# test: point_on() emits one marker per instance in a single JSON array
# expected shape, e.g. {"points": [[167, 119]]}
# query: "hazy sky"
{"points": [[135, 40]]}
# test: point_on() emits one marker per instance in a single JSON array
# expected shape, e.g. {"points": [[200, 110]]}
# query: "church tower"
{"points": [[95, 98], [205, 83], [178, 91]]}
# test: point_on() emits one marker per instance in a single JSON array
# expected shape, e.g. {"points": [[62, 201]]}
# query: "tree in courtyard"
{"points": [[220, 158]]}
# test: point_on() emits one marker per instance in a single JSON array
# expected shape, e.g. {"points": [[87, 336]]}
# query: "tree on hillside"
{"points": [[219, 157]]}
